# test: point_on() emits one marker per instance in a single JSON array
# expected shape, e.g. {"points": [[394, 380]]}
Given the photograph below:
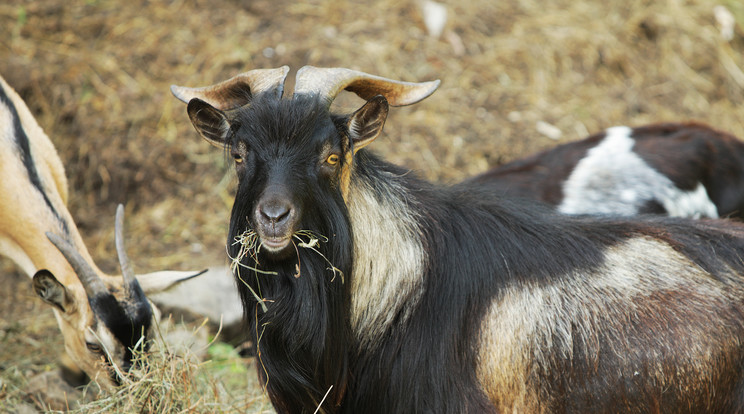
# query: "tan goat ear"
{"points": [[366, 124], [51, 291], [210, 122]]}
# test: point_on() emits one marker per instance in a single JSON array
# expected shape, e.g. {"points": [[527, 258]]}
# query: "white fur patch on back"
{"points": [[612, 179], [388, 261]]}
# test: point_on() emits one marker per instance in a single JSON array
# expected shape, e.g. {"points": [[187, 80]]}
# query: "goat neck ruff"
{"points": [[389, 259]]}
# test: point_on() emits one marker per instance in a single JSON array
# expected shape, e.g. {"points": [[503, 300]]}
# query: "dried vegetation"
{"points": [[518, 76]]}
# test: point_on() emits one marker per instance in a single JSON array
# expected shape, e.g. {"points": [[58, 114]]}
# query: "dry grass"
{"points": [[96, 74], [169, 378], [176, 381]]}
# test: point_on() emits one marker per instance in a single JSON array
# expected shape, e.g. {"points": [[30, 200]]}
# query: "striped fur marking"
{"points": [[23, 146]]}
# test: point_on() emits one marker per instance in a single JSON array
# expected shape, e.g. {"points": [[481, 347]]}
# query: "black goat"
{"points": [[368, 290], [683, 170]]}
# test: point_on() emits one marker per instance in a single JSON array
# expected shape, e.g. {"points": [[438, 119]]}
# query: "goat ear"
{"points": [[210, 122], [51, 291], [164, 280], [367, 122]]}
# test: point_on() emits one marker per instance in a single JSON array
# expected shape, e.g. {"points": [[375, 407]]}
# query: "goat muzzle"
{"points": [[276, 218]]}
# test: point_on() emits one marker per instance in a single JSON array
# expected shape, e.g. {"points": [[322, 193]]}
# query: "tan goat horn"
{"points": [[329, 82], [88, 277], [127, 271], [236, 91]]}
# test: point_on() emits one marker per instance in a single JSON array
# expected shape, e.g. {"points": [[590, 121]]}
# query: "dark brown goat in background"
{"points": [[368, 290], [682, 170]]}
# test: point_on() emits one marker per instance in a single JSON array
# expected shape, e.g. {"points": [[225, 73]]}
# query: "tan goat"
{"points": [[102, 317]]}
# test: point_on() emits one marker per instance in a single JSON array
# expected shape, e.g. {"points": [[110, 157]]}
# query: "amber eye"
{"points": [[332, 159], [238, 159]]}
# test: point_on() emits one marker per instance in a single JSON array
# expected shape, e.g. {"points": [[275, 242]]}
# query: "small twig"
{"points": [[324, 397], [258, 352], [258, 298]]}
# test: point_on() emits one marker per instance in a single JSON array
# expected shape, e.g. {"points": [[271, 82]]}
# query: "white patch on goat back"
{"points": [[612, 179], [388, 261], [695, 203], [530, 330]]}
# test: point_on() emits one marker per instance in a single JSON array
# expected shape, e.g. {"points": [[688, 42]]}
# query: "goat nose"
{"points": [[275, 212]]}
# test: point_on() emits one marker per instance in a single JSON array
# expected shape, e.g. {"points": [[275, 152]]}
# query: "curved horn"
{"points": [[126, 265], [236, 91], [328, 82], [88, 277]]}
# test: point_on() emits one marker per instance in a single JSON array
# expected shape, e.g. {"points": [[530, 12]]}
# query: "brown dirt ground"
{"points": [[96, 74]]}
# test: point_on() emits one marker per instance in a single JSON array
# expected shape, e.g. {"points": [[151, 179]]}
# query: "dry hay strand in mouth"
{"points": [[250, 244], [308, 239]]}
